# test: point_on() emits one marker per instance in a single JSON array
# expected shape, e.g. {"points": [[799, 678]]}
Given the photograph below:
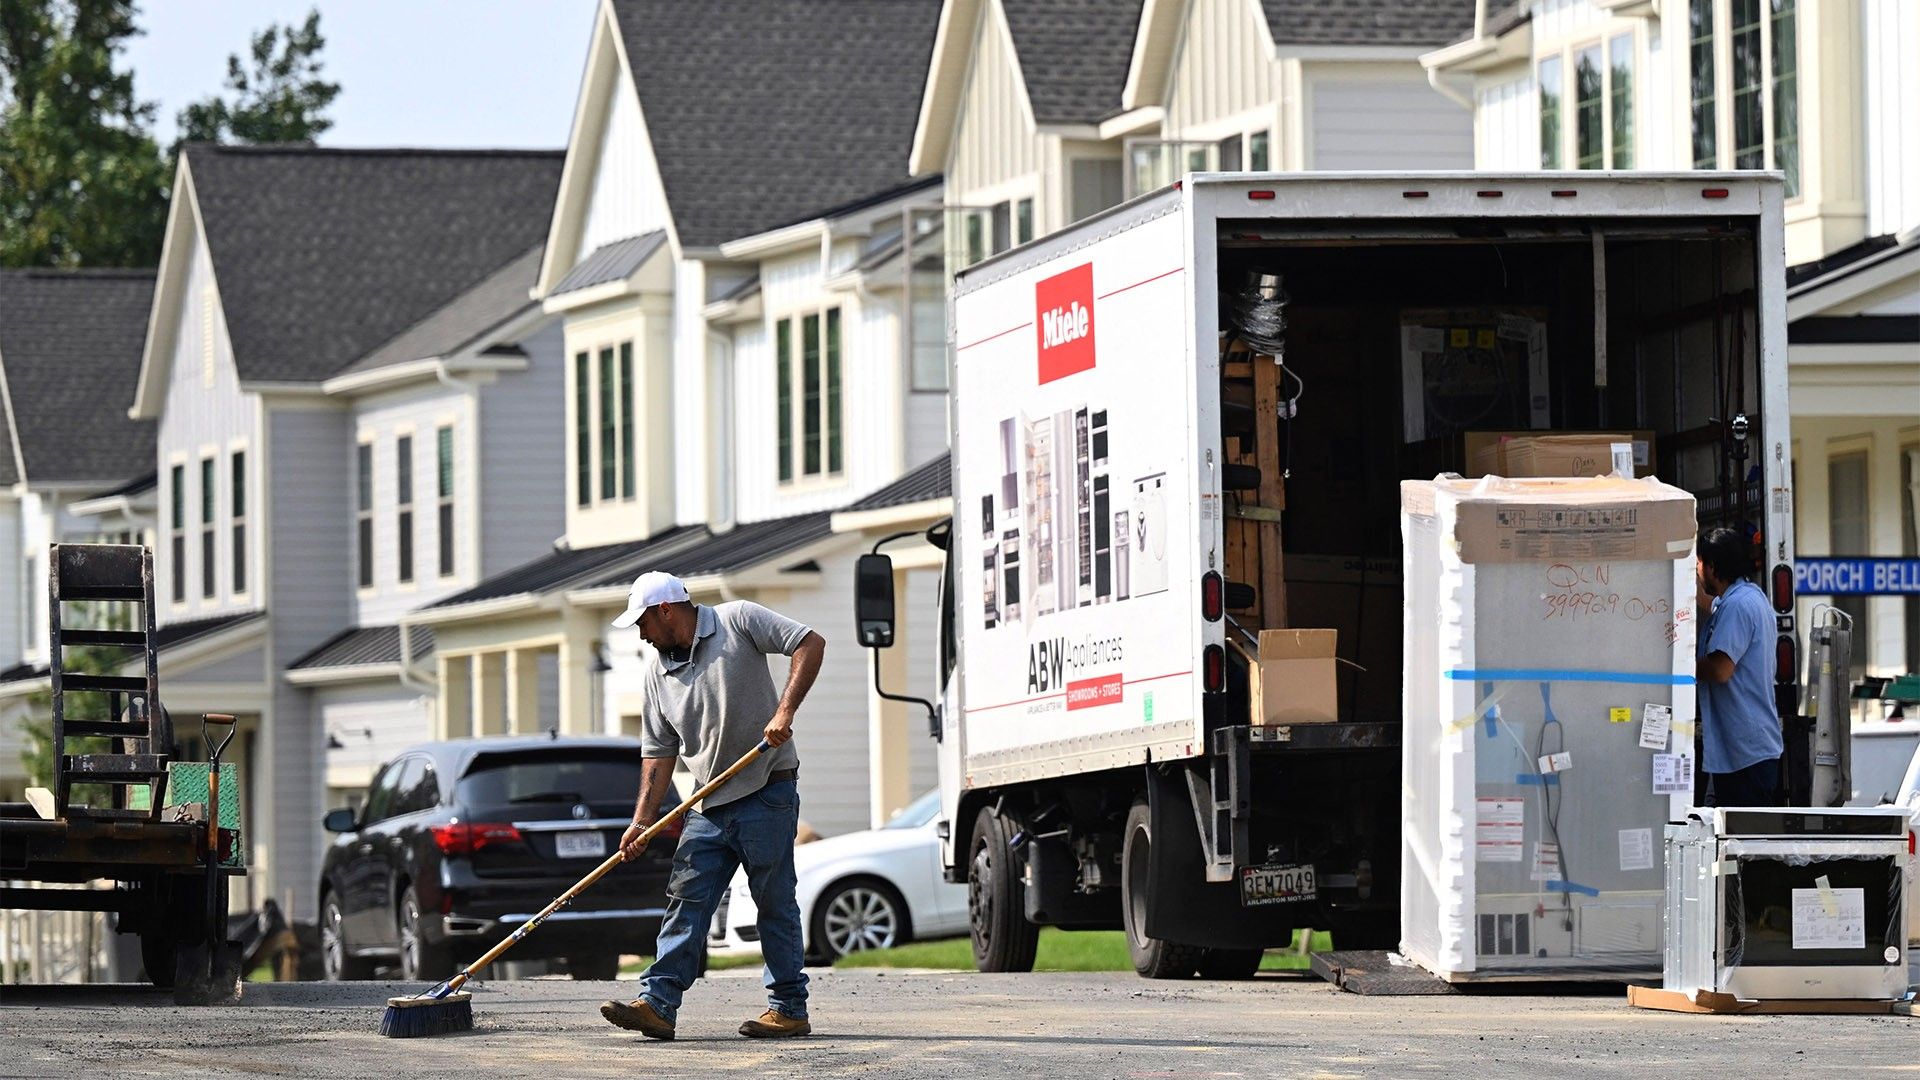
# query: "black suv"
{"points": [[460, 842]]}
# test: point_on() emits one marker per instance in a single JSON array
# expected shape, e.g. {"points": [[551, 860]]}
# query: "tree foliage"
{"points": [[277, 96], [81, 180]]}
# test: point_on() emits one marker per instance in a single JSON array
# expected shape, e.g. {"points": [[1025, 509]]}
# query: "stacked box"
{"points": [[1549, 722]]}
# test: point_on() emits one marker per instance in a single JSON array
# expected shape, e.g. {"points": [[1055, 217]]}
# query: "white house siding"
{"points": [[373, 721], [522, 436], [1368, 116], [626, 198], [926, 426], [382, 420], [920, 603], [309, 561], [995, 141], [1506, 123], [1892, 73], [13, 611], [243, 669], [1555, 20], [692, 446], [1223, 68], [199, 419]]}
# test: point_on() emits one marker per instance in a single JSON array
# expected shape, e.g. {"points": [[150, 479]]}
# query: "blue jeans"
{"points": [[757, 832]]}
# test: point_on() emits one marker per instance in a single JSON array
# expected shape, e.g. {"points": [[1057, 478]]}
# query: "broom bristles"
{"points": [[415, 1017]]}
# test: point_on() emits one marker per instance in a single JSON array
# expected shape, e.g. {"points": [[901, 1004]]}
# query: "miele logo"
{"points": [[1063, 320]]}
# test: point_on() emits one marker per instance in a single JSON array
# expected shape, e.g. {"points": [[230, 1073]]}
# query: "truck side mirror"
{"points": [[873, 600], [940, 534], [338, 821]]}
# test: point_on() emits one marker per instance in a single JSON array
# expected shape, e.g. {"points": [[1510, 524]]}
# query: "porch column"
{"points": [[523, 691], [488, 716], [890, 723], [456, 697], [576, 661]]}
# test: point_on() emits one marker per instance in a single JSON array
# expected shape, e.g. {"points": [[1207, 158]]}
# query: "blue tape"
{"points": [[1568, 675], [1570, 887], [1537, 779]]}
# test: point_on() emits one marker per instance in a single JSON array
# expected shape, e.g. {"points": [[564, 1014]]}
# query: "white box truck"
{"points": [[1179, 429]]}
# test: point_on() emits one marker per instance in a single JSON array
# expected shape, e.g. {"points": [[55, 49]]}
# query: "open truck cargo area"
{"points": [[1172, 685]]}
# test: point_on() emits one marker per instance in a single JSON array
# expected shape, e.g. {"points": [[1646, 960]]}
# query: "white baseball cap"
{"points": [[650, 588]]}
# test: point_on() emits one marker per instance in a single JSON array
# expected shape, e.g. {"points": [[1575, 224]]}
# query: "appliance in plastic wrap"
{"points": [[1548, 722], [1788, 903]]}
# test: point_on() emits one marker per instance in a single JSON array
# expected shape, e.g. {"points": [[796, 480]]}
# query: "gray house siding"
{"points": [[522, 440]]}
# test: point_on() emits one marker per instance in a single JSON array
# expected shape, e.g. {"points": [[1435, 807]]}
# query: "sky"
{"points": [[411, 72]]}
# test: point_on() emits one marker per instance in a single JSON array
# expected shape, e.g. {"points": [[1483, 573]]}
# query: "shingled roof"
{"points": [[763, 112], [70, 343], [323, 255], [1368, 22], [463, 321], [1074, 55]]}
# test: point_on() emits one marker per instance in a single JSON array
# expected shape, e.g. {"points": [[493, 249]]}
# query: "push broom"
{"points": [[447, 1008]]}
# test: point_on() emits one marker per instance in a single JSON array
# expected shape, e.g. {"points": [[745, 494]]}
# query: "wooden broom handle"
{"points": [[600, 871]]}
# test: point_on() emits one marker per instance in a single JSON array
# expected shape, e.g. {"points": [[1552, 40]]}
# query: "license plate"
{"points": [[579, 845], [1274, 884]]}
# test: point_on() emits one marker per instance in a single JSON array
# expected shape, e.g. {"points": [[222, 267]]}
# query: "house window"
{"points": [[1847, 535], [1550, 92], [626, 420], [1620, 101], [363, 505], [609, 433], [403, 484], [177, 528], [443, 481], [238, 497], [1002, 225], [582, 433], [207, 499], [1230, 154], [807, 351], [929, 336], [1761, 80], [1588, 110], [1257, 151], [976, 238], [1023, 221]]}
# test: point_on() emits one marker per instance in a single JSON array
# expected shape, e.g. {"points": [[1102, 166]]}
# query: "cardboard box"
{"points": [[1555, 453], [1294, 681]]}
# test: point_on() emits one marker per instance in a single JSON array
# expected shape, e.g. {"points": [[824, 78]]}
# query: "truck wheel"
{"points": [[157, 951], [1152, 958], [1003, 939], [1231, 963]]}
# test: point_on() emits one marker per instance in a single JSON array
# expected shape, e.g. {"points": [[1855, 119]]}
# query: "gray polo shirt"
{"points": [[713, 706]]}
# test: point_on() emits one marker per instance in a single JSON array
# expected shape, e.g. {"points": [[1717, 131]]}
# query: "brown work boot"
{"points": [[636, 1015], [774, 1024]]}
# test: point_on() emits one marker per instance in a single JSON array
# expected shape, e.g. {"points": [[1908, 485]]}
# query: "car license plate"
{"points": [[1275, 884], [579, 845]]}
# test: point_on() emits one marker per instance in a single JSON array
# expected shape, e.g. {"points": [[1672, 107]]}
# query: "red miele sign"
{"points": [[1063, 319]]}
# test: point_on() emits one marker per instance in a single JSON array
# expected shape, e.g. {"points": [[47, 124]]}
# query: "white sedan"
{"points": [[865, 890]]}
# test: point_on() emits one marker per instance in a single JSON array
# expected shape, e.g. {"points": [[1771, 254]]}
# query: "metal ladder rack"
{"points": [[141, 732]]}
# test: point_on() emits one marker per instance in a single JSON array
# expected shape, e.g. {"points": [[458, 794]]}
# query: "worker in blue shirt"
{"points": [[1738, 723]]}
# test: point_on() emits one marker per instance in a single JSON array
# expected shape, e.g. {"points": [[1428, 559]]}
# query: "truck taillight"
{"points": [[1212, 596], [1786, 659], [1783, 588], [468, 837], [1260, 196], [1713, 193], [1214, 661]]}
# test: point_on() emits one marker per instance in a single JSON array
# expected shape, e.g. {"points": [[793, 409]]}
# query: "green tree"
{"points": [[37, 757], [81, 180], [278, 96]]}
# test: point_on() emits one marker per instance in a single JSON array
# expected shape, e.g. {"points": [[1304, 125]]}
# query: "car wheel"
{"points": [[336, 957], [596, 967], [1003, 939], [419, 959], [1153, 958], [856, 915]]}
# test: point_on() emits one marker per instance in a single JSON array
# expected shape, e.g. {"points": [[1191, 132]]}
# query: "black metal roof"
{"points": [[323, 255], [70, 343], [611, 262], [365, 645], [739, 548], [933, 480], [137, 486], [463, 321], [570, 567], [1368, 22], [1840, 260], [763, 112], [1074, 55], [179, 633]]}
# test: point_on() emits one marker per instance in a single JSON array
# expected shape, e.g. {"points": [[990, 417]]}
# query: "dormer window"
{"points": [[808, 403]]}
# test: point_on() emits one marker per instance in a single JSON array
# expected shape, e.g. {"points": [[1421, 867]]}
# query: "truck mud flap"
{"points": [[1182, 905]]}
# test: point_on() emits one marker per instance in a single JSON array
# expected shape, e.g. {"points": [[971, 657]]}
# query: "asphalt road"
{"points": [[907, 1024]]}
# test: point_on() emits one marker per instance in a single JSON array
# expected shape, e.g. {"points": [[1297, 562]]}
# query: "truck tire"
{"points": [[1003, 939], [1231, 963], [1152, 958], [157, 950]]}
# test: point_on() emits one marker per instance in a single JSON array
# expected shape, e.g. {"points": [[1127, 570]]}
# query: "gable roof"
{"points": [[70, 343], [463, 321], [1368, 22], [322, 255], [1073, 55], [761, 112], [611, 262]]}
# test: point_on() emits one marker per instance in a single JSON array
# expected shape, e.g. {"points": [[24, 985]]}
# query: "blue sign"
{"points": [[1856, 577]]}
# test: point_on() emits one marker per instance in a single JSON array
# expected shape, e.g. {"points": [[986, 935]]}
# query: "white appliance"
{"points": [[1788, 903]]}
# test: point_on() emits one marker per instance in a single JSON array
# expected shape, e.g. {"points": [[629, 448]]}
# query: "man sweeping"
{"points": [[710, 699]]}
